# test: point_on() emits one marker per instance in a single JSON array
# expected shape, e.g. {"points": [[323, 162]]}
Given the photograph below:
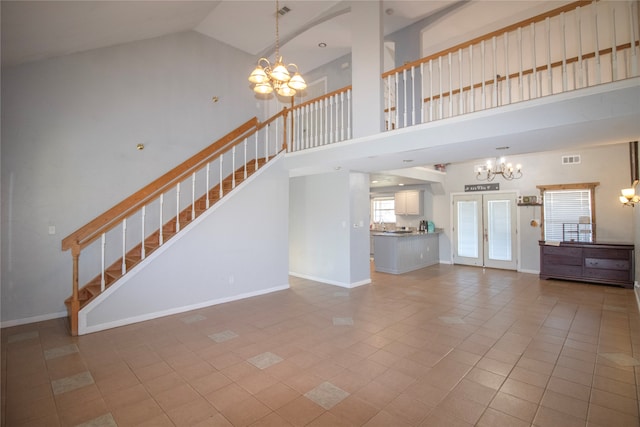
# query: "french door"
{"points": [[484, 230]]}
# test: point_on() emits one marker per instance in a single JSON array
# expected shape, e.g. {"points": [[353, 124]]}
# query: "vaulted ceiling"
{"points": [[34, 30]]}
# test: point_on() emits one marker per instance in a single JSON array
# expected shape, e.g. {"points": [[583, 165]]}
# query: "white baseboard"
{"points": [[35, 319], [529, 271], [83, 328], [331, 282]]}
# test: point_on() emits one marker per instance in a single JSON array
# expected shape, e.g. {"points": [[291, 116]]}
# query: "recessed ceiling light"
{"points": [[375, 181], [322, 44], [337, 168], [401, 185]]}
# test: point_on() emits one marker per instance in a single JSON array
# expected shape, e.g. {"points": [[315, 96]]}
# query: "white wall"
{"points": [[239, 248], [608, 165], [70, 127], [323, 211]]}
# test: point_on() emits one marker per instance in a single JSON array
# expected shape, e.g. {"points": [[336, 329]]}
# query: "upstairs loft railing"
{"points": [[582, 44], [112, 243], [579, 45]]}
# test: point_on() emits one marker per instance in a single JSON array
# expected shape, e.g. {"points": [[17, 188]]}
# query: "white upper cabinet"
{"points": [[408, 202]]}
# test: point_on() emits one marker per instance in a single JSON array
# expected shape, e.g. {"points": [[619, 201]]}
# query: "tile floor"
{"points": [[442, 346]]}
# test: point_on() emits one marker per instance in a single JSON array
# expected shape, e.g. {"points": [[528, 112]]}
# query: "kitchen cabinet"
{"points": [[408, 202], [611, 264], [401, 253]]}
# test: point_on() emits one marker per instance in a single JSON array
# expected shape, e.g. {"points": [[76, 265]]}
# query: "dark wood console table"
{"points": [[605, 263]]}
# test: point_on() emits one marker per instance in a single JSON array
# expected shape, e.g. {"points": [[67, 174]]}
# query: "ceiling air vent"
{"points": [[571, 160], [284, 10]]}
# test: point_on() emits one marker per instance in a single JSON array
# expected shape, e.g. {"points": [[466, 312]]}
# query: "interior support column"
{"points": [[367, 60]]}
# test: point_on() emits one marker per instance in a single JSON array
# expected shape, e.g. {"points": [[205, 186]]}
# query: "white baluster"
{"points": [[193, 196], [564, 52], [124, 246], [450, 86], [472, 79], [396, 96], [579, 44], [431, 90], [161, 231], [256, 161], [413, 96], [330, 120], [178, 207], [520, 62], [221, 191], [233, 167], [594, 11], [266, 142], [536, 86], [460, 79], [276, 139], [349, 129], [441, 103], [634, 37], [494, 101], [404, 91], [103, 244], [389, 119], [422, 92], [208, 184], [142, 248], [614, 48], [342, 117], [547, 27], [245, 158], [506, 66], [482, 61]]}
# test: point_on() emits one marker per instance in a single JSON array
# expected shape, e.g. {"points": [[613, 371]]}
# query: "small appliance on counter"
{"points": [[427, 226]]}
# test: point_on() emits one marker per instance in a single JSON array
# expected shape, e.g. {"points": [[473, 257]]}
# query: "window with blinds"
{"points": [[383, 210], [564, 209]]}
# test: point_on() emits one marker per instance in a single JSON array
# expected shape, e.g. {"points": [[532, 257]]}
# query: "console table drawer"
{"points": [[607, 275], [606, 253], [607, 264], [562, 251], [562, 270]]}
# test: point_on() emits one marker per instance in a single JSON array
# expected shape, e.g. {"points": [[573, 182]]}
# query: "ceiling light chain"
{"points": [[268, 78], [501, 167]]}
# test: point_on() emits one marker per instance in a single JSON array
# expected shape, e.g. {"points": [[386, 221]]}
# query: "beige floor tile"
{"points": [[300, 411], [514, 406], [419, 351]]}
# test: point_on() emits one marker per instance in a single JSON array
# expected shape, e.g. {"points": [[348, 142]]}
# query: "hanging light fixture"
{"points": [[629, 197], [507, 170], [284, 79]]}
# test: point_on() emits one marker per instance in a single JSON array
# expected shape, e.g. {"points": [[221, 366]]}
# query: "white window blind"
{"points": [[565, 207], [384, 210]]}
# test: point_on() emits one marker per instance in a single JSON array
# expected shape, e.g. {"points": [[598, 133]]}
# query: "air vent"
{"points": [[571, 160], [284, 10]]}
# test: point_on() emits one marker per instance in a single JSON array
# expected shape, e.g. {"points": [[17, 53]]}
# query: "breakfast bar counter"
{"points": [[400, 252]]}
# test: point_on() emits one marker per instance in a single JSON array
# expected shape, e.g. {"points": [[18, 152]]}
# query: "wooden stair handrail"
{"points": [[92, 230], [489, 36]]}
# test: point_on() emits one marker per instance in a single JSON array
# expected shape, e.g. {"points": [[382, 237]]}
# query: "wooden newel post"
{"points": [[75, 300]]}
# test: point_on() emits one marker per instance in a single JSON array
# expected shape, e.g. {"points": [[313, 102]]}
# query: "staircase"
{"points": [[217, 170], [134, 256]]}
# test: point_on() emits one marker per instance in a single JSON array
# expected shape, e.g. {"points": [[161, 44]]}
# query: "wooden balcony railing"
{"points": [[581, 44], [126, 234]]}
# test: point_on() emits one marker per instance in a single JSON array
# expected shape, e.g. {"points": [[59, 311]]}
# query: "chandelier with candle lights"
{"points": [[501, 167], [285, 80]]}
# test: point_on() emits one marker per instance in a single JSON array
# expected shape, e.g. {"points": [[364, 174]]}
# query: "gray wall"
{"points": [[70, 127], [326, 241]]}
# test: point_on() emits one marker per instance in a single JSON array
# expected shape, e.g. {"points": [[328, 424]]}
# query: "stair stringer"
{"points": [[236, 249]]}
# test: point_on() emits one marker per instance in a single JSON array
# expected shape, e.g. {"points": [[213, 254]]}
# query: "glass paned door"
{"points": [[484, 230]]}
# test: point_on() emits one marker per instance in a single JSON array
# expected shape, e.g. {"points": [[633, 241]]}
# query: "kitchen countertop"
{"points": [[404, 234]]}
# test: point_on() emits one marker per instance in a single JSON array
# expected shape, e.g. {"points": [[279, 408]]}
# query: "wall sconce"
{"points": [[629, 197]]}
